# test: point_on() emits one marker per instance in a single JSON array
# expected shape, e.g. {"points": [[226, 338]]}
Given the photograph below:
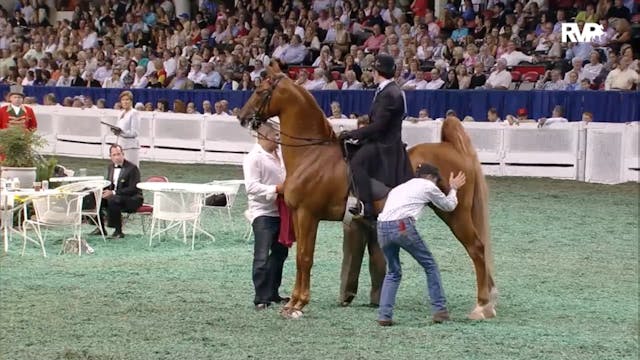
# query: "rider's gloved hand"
{"points": [[345, 135]]}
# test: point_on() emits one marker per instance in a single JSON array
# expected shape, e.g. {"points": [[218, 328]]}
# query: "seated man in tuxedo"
{"points": [[122, 195]]}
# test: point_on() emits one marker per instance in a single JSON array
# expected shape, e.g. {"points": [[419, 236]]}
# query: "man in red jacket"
{"points": [[15, 113]]}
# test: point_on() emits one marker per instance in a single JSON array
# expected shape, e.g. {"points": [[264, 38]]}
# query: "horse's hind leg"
{"points": [[306, 227], [462, 227]]}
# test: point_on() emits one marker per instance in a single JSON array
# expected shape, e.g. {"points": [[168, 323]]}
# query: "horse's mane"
{"points": [[312, 109]]}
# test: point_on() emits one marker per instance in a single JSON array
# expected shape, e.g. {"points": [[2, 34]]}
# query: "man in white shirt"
{"points": [[36, 52], [257, 71], [436, 82], [622, 77], [577, 68], [396, 229], [169, 63], [515, 57], [263, 176], [500, 78], [140, 80], [352, 82], [282, 44], [557, 117], [196, 75], [417, 83], [318, 81]]}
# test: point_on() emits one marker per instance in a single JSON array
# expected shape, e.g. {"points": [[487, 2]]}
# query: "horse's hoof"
{"points": [[482, 312], [476, 314], [295, 314], [289, 313]]}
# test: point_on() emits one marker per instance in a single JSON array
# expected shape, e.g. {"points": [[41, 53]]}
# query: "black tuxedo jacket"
{"points": [[387, 113], [384, 133], [127, 181]]}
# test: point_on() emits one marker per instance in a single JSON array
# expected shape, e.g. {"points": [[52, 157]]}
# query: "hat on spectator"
{"points": [[16, 90], [385, 65], [521, 112], [184, 16]]}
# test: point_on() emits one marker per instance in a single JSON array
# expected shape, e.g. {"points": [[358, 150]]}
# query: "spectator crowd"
{"points": [[470, 44]]}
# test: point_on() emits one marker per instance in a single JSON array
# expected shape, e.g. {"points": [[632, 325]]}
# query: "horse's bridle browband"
{"points": [[258, 118]]}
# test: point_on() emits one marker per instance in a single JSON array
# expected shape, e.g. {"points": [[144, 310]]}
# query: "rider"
{"points": [[382, 154]]}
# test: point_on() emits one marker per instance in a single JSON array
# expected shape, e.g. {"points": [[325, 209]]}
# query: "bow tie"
{"points": [[117, 166]]}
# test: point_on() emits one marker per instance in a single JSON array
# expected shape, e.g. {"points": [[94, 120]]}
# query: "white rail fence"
{"points": [[600, 152]]}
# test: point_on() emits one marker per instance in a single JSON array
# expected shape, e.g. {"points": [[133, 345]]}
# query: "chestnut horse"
{"points": [[316, 186]]}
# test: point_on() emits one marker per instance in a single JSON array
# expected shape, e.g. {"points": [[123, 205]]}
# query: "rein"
{"points": [[259, 119], [311, 141]]}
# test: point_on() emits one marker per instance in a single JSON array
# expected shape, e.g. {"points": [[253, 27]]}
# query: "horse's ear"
{"points": [[276, 67]]}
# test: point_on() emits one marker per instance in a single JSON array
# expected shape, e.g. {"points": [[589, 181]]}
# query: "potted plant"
{"points": [[19, 155]]}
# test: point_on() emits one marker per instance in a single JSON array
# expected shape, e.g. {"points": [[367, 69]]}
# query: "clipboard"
{"points": [[113, 128]]}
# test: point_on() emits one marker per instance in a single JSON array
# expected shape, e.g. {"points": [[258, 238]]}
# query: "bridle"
{"points": [[258, 119]]}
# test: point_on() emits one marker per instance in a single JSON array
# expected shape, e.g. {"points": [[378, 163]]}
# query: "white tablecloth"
{"points": [[182, 187], [74, 179]]}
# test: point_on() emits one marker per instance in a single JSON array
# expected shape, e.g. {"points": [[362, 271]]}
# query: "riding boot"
{"points": [[369, 212], [364, 191]]}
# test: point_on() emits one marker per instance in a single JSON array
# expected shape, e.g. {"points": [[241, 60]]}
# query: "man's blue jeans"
{"points": [[393, 235], [268, 259]]}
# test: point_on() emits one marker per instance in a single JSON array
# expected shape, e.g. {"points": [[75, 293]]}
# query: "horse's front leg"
{"points": [[306, 227]]}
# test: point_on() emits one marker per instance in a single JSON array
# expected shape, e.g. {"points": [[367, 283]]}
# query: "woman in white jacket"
{"points": [[129, 128]]}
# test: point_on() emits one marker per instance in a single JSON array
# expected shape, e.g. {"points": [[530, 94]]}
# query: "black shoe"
{"points": [[96, 231], [280, 300], [262, 306], [116, 235], [385, 322]]}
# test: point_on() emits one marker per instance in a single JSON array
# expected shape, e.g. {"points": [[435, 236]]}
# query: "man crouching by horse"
{"points": [[381, 154]]}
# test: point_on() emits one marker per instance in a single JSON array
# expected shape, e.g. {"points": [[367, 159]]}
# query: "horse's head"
{"points": [[259, 108]]}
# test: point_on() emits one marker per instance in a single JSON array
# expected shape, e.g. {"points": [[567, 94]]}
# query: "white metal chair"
{"points": [[54, 210], [177, 209], [145, 210], [92, 187]]}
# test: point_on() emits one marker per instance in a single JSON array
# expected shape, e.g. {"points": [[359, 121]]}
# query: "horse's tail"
{"points": [[453, 132]]}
